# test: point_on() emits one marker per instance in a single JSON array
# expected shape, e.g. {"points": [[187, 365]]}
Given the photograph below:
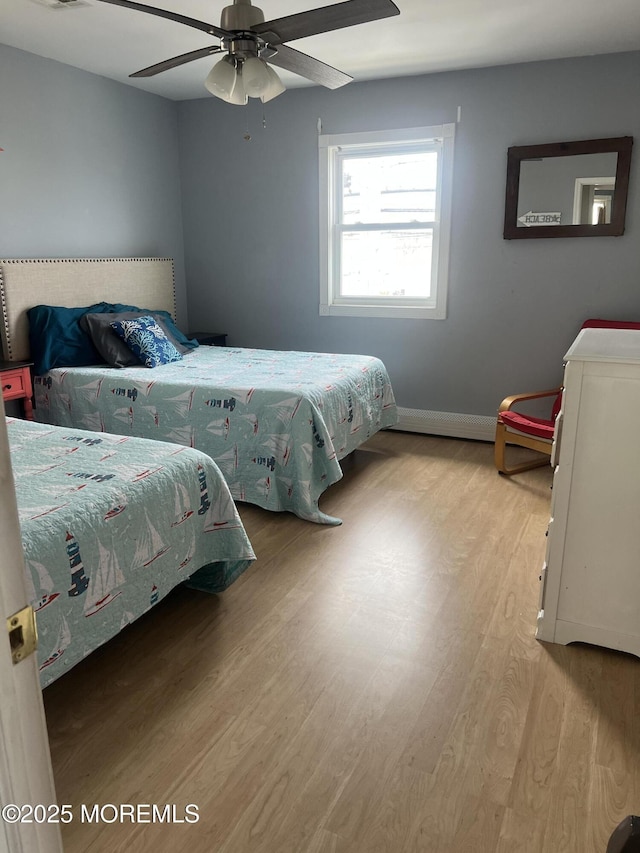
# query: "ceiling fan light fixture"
{"points": [[249, 39], [238, 95], [221, 80], [255, 75], [275, 87]]}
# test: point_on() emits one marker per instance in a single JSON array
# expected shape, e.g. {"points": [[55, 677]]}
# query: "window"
{"points": [[385, 211]]}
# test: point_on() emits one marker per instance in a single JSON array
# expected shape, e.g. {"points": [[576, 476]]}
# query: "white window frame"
{"points": [[439, 138]]}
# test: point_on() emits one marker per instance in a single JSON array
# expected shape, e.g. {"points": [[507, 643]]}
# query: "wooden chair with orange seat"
{"points": [[535, 433]]}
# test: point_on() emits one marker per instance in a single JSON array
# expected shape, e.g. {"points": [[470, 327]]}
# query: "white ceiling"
{"points": [[427, 36]]}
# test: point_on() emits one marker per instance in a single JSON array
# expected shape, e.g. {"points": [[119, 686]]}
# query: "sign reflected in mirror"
{"points": [[567, 189]]}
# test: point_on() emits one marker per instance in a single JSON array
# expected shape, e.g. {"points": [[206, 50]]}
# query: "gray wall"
{"points": [[93, 168], [251, 226], [89, 169]]}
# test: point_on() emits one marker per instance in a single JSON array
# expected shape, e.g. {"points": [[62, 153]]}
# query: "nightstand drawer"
{"points": [[13, 384], [15, 379]]}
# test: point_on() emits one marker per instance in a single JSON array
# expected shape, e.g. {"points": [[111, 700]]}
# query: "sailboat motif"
{"points": [[150, 545], [358, 418], [148, 472], [90, 391], [220, 427], [79, 581], [264, 486], [305, 450], [36, 468], [64, 400], [62, 642], [253, 421], [238, 491], [183, 435], [181, 404], [33, 436], [221, 514], [387, 396], [93, 421], [183, 505], [44, 595], [228, 461], [191, 550], [104, 581], [152, 413], [124, 415], [286, 410], [115, 510], [47, 511], [110, 455], [288, 484], [280, 446]]}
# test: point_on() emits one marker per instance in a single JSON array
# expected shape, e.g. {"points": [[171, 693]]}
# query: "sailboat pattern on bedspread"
{"points": [[111, 524], [277, 423]]}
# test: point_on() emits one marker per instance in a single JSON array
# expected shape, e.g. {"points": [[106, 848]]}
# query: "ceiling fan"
{"points": [[249, 42]]}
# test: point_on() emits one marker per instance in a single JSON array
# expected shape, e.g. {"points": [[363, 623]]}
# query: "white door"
{"points": [[26, 779]]}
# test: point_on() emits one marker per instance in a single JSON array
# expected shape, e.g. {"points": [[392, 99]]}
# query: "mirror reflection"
{"points": [[568, 189], [574, 190]]}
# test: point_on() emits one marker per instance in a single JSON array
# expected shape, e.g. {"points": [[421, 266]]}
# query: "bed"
{"points": [[110, 525], [276, 423]]}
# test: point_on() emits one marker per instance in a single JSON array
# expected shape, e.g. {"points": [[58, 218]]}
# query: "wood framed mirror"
{"points": [[567, 189]]}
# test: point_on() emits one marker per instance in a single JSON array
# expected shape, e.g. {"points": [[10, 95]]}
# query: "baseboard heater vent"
{"points": [[479, 427]]}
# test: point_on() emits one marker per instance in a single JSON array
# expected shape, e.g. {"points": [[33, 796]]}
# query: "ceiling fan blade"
{"points": [[171, 16], [176, 61], [306, 66], [323, 20]]}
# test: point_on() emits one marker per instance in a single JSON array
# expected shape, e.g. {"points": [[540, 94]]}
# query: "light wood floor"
{"points": [[373, 687]]}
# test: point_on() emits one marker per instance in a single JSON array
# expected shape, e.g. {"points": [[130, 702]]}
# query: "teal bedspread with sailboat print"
{"points": [[110, 524], [277, 423]]}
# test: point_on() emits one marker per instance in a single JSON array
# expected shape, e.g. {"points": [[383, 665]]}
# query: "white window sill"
{"points": [[408, 312]]}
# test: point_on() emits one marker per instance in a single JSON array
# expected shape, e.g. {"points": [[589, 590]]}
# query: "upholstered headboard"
{"points": [[70, 282]]}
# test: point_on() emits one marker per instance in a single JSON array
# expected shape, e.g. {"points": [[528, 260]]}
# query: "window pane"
{"points": [[386, 264], [389, 188]]}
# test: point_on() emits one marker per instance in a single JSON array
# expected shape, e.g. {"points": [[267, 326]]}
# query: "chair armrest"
{"points": [[508, 402]]}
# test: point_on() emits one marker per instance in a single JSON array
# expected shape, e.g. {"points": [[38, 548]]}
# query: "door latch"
{"points": [[23, 634]]}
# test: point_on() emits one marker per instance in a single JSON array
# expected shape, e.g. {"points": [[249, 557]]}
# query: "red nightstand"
{"points": [[16, 384]]}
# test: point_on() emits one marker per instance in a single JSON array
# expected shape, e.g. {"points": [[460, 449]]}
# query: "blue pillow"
{"points": [[56, 339], [147, 341]]}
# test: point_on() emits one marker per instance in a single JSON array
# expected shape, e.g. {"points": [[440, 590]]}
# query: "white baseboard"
{"points": [[479, 427]]}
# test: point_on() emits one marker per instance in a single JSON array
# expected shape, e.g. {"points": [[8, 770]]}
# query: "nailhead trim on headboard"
{"points": [[6, 337], [17, 296]]}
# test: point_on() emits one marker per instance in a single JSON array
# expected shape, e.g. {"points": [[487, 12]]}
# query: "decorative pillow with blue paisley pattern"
{"points": [[147, 341]]}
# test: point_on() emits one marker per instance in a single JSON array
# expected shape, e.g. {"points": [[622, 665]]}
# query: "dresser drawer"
{"points": [[13, 384]]}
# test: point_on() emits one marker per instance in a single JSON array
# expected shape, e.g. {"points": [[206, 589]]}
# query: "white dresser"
{"points": [[590, 588]]}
